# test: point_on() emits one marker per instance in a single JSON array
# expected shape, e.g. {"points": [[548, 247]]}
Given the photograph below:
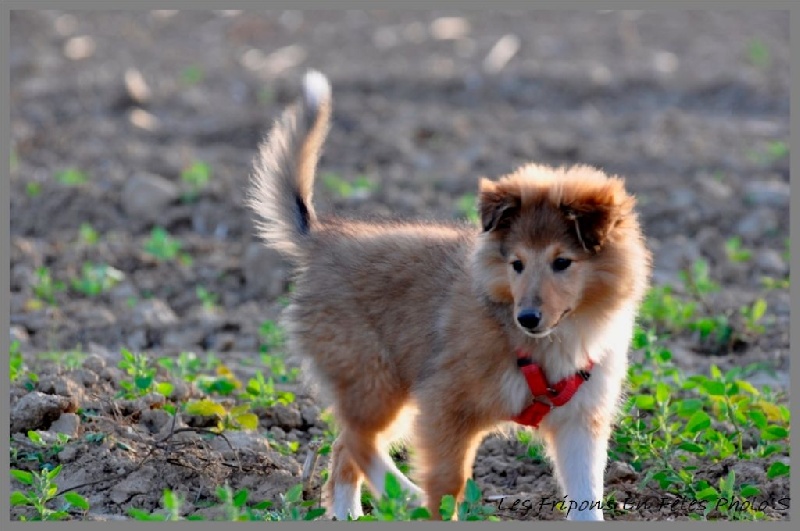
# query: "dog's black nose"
{"points": [[529, 318]]}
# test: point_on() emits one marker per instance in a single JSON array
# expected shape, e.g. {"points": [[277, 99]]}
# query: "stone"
{"points": [[265, 271], [146, 196], [68, 424], [37, 410], [153, 313]]}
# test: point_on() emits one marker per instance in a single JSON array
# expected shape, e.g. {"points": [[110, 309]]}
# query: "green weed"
{"points": [[467, 206], [33, 189], [46, 288], [161, 245], [736, 252], [758, 53], [87, 235], [42, 492], [142, 374], [208, 299], [97, 279], [196, 176], [192, 75], [261, 392], [72, 177], [360, 186]]}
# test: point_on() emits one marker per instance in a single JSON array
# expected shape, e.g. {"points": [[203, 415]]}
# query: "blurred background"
{"points": [[133, 135]]}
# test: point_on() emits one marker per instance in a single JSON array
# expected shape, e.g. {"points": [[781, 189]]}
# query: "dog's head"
{"points": [[558, 242]]}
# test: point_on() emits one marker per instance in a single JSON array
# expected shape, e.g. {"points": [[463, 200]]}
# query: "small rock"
{"points": [[265, 270], [620, 471], [18, 333], [94, 363], [37, 410], [501, 53], [450, 28], [68, 424], [79, 47], [68, 454], [716, 188], [750, 472], [771, 193], [153, 313], [145, 196], [240, 440], [771, 262], [155, 419], [277, 433], [757, 223], [136, 86], [139, 482], [284, 416], [184, 339], [673, 255], [310, 414], [62, 385]]}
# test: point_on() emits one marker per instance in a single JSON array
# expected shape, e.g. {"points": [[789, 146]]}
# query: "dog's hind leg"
{"points": [[343, 489]]}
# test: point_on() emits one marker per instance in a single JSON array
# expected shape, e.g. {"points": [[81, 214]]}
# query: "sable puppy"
{"points": [[431, 318]]}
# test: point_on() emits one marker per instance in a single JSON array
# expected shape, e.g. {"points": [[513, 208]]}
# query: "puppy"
{"points": [[527, 318]]}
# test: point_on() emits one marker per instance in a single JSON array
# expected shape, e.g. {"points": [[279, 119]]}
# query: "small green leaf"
{"points": [[17, 498], [472, 493], [294, 494], [714, 388], [645, 402], [164, 388], [697, 422], [205, 408], [749, 491], [707, 494], [774, 433], [759, 309], [76, 500], [143, 382], [240, 498], [420, 513], [392, 487], [691, 447], [777, 469], [313, 514], [448, 507]]}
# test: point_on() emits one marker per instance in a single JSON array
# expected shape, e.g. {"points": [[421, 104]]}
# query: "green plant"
{"points": [[196, 176], [769, 154], [87, 235], [770, 283], [33, 189], [471, 508], [467, 206], [96, 279], [44, 452], [142, 376], [395, 504], [208, 299], [360, 186], [192, 74], [42, 491], [262, 393], [735, 251], [671, 421], [533, 447], [758, 53], [71, 177], [172, 503], [161, 245], [237, 418], [16, 364], [753, 315], [46, 288], [70, 360]]}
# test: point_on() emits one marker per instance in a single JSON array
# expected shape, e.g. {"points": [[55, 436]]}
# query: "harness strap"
{"points": [[545, 396]]}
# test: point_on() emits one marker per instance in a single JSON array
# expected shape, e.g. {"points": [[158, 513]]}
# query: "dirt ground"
{"points": [[688, 106]]}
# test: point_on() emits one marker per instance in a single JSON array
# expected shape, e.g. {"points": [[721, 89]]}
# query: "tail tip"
{"points": [[316, 89]]}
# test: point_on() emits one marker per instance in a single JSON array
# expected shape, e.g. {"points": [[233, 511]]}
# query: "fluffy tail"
{"points": [[282, 183]]}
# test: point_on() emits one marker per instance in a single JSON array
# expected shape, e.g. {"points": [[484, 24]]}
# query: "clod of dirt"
{"points": [[146, 196], [619, 472], [279, 415], [139, 482], [62, 385], [235, 441], [68, 424], [265, 271], [772, 193], [153, 313], [310, 414], [757, 223], [155, 420], [36, 411], [150, 401]]}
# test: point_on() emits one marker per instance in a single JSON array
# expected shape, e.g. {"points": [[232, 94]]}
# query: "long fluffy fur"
{"points": [[391, 317], [282, 184]]}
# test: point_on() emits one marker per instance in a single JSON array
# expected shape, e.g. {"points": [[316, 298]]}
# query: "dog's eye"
{"points": [[560, 264], [518, 266]]}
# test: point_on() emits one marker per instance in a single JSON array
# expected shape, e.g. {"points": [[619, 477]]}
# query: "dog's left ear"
{"points": [[497, 205], [596, 213]]}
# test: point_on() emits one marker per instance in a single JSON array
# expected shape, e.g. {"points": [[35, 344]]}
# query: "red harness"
{"points": [[546, 397]]}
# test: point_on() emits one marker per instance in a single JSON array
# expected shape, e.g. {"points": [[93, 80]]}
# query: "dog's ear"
{"points": [[497, 205], [595, 213]]}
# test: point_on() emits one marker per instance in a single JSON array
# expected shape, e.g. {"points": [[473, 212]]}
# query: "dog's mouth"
{"points": [[539, 334]]}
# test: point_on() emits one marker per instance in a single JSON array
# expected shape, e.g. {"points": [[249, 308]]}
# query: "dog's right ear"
{"points": [[497, 205]]}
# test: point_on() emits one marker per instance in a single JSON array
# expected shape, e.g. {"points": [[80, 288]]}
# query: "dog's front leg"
{"points": [[579, 452]]}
